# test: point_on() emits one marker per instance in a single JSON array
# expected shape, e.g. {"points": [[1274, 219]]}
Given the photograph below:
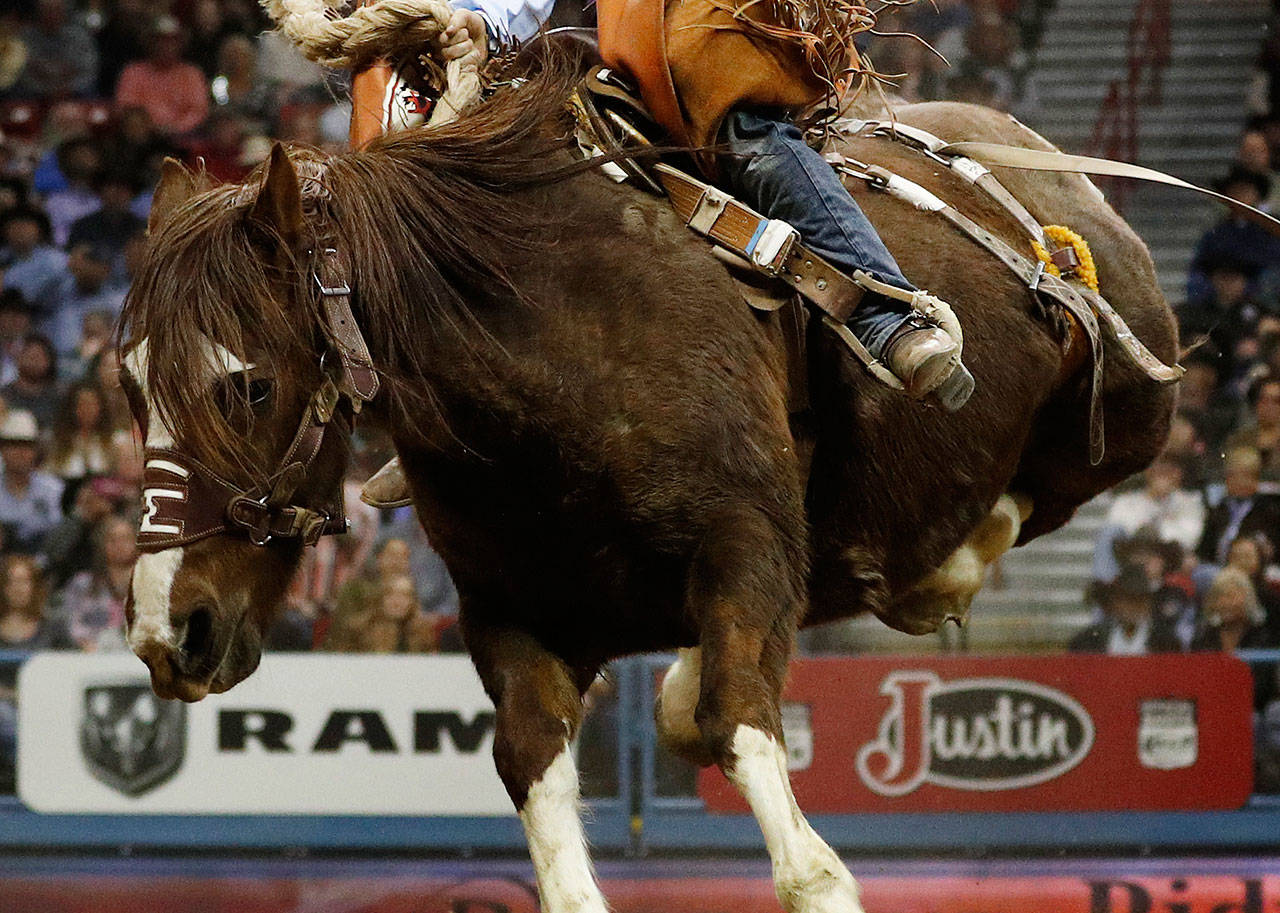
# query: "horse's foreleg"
{"points": [[743, 594], [539, 706]]}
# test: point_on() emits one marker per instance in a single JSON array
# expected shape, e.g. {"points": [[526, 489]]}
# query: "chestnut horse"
{"points": [[596, 433]]}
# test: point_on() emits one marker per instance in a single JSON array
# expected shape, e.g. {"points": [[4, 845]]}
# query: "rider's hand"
{"points": [[465, 34]]}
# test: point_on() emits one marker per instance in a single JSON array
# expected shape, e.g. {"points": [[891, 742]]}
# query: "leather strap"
{"points": [[1131, 344], [1038, 160], [1030, 272], [184, 501], [606, 82], [969, 160], [181, 502], [771, 246], [607, 131], [966, 168], [1007, 156], [793, 320], [264, 523], [359, 379]]}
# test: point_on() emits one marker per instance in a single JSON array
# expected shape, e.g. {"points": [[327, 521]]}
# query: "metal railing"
{"points": [[1148, 53]]}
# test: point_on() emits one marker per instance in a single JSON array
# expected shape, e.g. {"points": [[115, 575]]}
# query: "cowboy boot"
{"points": [[387, 488], [921, 355], [924, 352]]}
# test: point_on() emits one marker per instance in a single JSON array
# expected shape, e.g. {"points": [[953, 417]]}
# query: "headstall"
{"points": [[184, 501]]}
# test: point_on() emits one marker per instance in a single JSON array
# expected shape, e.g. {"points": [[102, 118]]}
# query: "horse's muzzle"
{"points": [[168, 679]]}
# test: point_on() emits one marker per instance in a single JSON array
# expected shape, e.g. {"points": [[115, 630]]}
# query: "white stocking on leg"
{"points": [[807, 874], [557, 843]]}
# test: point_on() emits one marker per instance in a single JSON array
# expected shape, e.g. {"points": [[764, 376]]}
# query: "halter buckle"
{"points": [[254, 516], [330, 291]]}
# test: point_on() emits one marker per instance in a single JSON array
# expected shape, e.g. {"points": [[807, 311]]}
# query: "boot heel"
{"points": [[955, 391]]}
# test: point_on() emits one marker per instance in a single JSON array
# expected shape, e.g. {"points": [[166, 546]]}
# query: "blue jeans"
{"points": [[775, 172]]}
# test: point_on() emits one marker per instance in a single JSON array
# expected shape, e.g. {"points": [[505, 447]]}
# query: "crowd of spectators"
{"points": [[1187, 559], [979, 51]]}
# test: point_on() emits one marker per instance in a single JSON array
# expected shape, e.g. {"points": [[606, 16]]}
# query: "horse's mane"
{"points": [[426, 219], [435, 217]]}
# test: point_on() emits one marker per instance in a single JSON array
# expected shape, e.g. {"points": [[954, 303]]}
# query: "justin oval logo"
{"points": [[981, 734]]}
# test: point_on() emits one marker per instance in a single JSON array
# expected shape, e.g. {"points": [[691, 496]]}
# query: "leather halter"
{"points": [[184, 501]]}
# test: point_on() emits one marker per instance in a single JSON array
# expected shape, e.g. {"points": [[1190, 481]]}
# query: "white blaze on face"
{"points": [[154, 572]]}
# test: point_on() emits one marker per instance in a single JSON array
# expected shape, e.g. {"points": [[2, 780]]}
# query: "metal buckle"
{"points": [[773, 246], [330, 291], [259, 531], [259, 539], [1039, 274]]}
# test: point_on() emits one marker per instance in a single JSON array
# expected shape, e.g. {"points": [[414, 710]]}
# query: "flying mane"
{"points": [[425, 219]]}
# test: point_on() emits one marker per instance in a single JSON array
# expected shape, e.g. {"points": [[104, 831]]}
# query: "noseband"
{"points": [[184, 501]]}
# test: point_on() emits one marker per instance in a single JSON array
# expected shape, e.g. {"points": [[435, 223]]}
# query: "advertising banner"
{"points": [[1051, 733], [439, 889], [306, 734]]}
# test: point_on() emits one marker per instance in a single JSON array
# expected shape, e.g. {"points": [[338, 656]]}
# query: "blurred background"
{"points": [[1130, 657]]}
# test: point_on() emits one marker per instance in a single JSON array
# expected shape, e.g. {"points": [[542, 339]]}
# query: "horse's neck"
{"points": [[610, 269]]}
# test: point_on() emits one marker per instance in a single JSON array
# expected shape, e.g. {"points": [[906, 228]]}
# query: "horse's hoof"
{"points": [[828, 888], [387, 488]]}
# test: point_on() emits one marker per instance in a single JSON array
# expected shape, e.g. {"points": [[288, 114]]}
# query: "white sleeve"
{"points": [[510, 20]]}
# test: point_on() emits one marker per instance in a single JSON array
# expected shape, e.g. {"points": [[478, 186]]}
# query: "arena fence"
{"points": [[952, 755]]}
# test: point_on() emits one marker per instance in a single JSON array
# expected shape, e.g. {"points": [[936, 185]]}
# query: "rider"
{"points": [[715, 86]]}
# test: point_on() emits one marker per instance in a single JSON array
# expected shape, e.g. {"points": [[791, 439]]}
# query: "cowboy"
{"points": [[680, 60]]}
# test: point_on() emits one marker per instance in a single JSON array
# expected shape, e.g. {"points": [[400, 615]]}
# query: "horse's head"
{"points": [[244, 394]]}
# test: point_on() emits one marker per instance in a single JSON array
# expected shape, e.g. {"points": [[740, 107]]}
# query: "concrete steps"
{"points": [[1192, 134]]}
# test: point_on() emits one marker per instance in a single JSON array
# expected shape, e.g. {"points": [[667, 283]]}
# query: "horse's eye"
{"points": [[236, 397], [259, 391]]}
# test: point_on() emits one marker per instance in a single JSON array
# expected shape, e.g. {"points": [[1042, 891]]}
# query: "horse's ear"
{"points": [[177, 185], [278, 208]]}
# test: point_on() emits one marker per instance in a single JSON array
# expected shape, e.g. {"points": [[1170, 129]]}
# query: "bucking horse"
{"points": [[596, 431]]}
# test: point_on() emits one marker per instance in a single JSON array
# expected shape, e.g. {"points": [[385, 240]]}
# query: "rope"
{"points": [[392, 29], [389, 28]]}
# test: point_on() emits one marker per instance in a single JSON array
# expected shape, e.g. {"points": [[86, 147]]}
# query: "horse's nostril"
{"points": [[197, 640]]}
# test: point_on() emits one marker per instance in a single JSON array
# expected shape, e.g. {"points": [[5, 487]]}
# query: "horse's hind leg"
{"points": [[539, 706], [746, 592]]}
